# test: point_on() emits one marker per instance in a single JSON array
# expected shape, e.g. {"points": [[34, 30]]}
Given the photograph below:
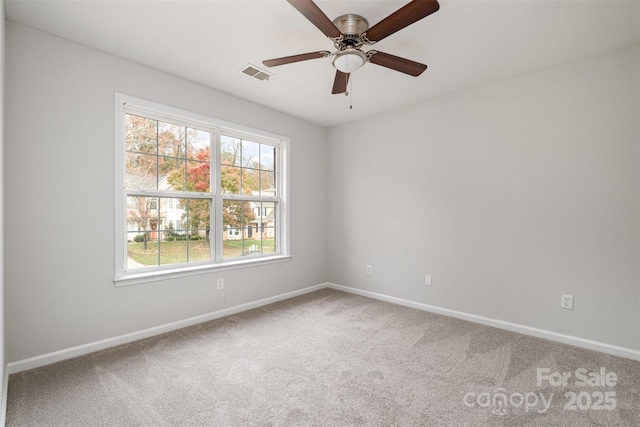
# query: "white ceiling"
{"points": [[465, 44]]}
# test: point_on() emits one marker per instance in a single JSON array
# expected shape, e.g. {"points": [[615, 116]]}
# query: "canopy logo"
{"points": [[597, 399], [598, 396], [500, 401]]}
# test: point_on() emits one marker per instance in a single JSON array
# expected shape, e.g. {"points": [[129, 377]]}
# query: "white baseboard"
{"points": [[3, 405], [526, 330], [57, 356]]}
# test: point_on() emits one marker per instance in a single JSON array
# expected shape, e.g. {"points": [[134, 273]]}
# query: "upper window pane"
{"points": [[141, 171], [157, 153], [250, 154], [267, 156], [198, 174], [248, 167], [250, 181], [171, 140], [197, 142], [140, 134], [267, 183], [230, 151]]}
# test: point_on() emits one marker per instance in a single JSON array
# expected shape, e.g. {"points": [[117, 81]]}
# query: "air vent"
{"points": [[256, 73]]}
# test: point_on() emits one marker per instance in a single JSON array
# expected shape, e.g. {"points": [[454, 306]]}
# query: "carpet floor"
{"points": [[336, 359]]}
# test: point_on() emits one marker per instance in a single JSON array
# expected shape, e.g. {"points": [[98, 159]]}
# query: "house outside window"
{"points": [[195, 193]]}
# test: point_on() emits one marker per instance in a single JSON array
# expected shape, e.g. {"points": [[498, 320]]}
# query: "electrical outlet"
{"points": [[427, 280], [220, 283], [567, 302], [369, 270]]}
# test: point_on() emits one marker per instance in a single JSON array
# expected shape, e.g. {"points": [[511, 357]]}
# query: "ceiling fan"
{"points": [[350, 32]]}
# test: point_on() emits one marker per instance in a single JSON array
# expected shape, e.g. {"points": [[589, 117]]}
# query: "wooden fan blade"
{"points": [[403, 17], [295, 58], [313, 13], [340, 82], [396, 63]]}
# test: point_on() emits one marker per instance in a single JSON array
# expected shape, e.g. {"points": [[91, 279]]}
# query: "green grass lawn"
{"points": [[170, 252], [176, 252], [233, 248]]}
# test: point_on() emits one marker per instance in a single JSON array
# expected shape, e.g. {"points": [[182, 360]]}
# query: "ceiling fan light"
{"points": [[348, 60]]}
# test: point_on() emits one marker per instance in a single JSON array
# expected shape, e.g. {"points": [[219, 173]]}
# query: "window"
{"points": [[248, 182], [194, 193]]}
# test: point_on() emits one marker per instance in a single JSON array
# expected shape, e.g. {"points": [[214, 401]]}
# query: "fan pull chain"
{"points": [[351, 100], [349, 93]]}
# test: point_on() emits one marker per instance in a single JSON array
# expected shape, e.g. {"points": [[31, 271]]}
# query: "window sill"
{"points": [[154, 276]]}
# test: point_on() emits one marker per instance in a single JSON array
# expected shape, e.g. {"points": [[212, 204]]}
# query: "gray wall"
{"points": [[509, 195], [2, 62], [60, 199]]}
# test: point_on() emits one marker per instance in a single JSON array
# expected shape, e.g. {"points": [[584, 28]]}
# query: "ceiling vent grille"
{"points": [[256, 72]]}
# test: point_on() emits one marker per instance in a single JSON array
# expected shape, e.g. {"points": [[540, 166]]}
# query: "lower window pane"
{"points": [[196, 214], [166, 231], [173, 251], [249, 228], [199, 248], [269, 241], [142, 249], [252, 242], [234, 216]]}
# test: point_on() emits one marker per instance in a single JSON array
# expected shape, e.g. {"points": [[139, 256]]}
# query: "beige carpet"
{"points": [[336, 359]]}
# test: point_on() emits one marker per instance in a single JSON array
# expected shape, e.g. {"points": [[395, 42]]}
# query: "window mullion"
{"points": [[185, 176], [170, 194], [187, 242], [248, 198], [219, 219], [158, 234], [157, 153]]}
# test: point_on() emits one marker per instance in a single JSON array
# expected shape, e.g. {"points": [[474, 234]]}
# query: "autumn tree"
{"points": [[141, 210], [141, 170], [236, 178], [197, 179]]}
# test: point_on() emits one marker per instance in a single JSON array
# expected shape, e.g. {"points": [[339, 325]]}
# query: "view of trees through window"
{"points": [[247, 174], [171, 209]]}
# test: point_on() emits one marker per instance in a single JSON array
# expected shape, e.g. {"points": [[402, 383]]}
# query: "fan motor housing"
{"points": [[351, 24]]}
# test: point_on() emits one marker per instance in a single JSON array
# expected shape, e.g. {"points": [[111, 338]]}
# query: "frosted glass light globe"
{"points": [[348, 60]]}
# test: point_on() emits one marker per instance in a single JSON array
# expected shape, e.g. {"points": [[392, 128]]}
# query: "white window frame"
{"points": [[128, 104]]}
